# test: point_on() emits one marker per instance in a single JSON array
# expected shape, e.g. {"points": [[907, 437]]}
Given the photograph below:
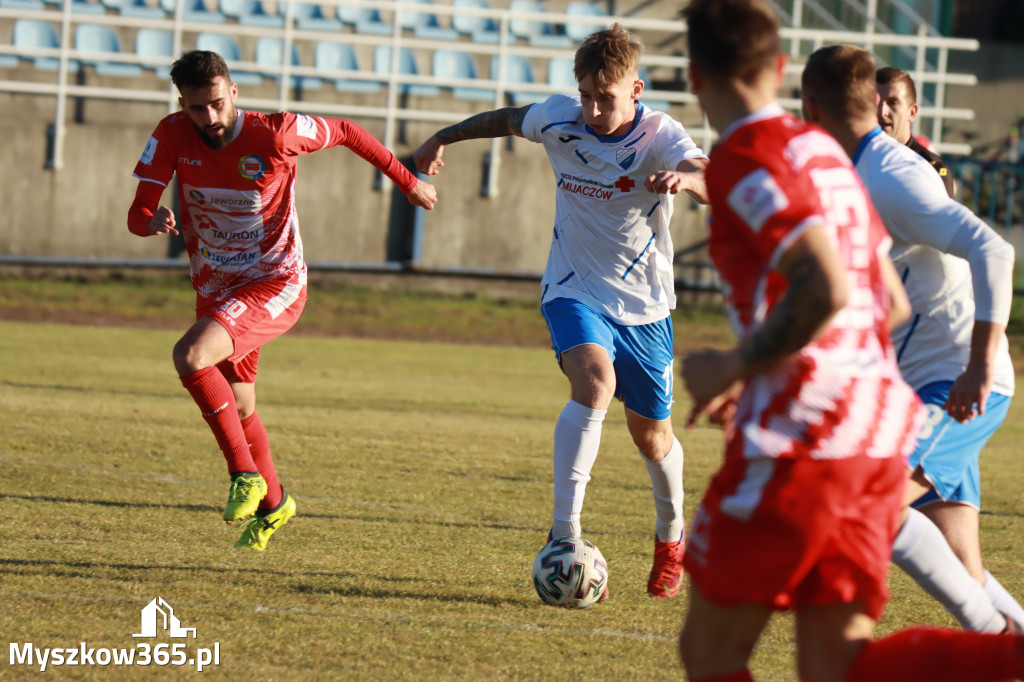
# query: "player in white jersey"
{"points": [[608, 287], [952, 350]]}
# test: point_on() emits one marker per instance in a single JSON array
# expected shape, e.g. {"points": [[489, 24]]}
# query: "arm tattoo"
{"points": [[795, 321], [497, 123]]}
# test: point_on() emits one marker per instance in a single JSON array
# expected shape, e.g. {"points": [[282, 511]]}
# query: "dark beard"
{"points": [[220, 141]]}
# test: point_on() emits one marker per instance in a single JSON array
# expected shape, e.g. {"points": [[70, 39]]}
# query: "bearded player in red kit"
{"points": [[236, 174]]}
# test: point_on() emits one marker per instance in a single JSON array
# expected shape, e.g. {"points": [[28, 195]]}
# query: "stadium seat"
{"points": [[99, 38], [227, 47], [424, 24], [561, 75], [87, 7], [270, 53], [310, 17], [578, 29], [251, 13], [140, 9], [407, 66], [453, 64], [330, 56], [156, 42], [518, 69], [540, 33], [478, 29], [22, 4], [8, 61], [35, 33], [364, 20], [195, 10], [657, 105]]}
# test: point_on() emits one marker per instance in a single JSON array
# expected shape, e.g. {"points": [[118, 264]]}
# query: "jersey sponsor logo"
{"points": [[573, 184], [305, 127], [624, 156], [252, 167], [756, 198], [190, 162], [149, 151], [237, 260], [225, 200]]}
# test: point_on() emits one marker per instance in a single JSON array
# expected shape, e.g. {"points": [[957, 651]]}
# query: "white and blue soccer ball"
{"points": [[570, 572]]}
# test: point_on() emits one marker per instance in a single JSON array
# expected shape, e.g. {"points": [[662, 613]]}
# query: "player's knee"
{"points": [[654, 444], [188, 357]]}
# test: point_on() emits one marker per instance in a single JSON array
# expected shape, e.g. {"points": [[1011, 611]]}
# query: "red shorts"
{"points": [[254, 314], [795, 533]]}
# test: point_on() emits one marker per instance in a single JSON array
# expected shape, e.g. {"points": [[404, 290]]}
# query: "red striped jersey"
{"points": [[769, 179], [237, 204]]}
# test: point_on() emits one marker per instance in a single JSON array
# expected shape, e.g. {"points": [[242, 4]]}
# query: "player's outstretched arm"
{"points": [[496, 123], [817, 291], [687, 177], [143, 220]]}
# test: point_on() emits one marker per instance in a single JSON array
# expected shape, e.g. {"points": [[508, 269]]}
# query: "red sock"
{"points": [[738, 676], [939, 655], [213, 395], [259, 447]]}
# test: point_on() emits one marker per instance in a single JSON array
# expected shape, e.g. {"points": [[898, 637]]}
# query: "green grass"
{"points": [[422, 476]]}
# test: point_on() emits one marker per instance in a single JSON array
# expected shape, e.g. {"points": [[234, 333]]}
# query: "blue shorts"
{"points": [[641, 354], [948, 451]]}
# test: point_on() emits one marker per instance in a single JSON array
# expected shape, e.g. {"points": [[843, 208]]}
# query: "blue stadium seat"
{"points": [[87, 7], [195, 10], [540, 33], [35, 33], [578, 29], [270, 52], [227, 47], [453, 64], [364, 20], [657, 105], [251, 13], [562, 76], [310, 17], [330, 56], [407, 66], [156, 42], [479, 29], [22, 4], [140, 9], [518, 69], [103, 39], [8, 61], [424, 24]]}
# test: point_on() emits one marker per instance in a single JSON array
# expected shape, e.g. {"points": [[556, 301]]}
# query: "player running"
{"points": [[953, 350], [897, 109], [817, 418], [608, 288], [236, 186]]}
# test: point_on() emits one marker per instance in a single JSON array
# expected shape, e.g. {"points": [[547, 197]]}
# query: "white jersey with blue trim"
{"points": [[934, 343], [611, 248]]}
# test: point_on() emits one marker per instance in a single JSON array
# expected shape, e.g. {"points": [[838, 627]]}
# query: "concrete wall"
{"points": [[80, 210]]}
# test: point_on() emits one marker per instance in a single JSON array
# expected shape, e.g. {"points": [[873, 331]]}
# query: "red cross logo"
{"points": [[624, 183]]}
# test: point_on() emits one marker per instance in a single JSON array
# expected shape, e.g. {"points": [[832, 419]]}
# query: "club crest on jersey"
{"points": [[624, 156], [251, 167]]}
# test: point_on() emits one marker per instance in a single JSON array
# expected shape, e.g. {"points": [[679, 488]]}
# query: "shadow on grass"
{"points": [[373, 593]]}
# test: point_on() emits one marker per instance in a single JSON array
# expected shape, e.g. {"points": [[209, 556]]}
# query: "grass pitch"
{"points": [[422, 477]]}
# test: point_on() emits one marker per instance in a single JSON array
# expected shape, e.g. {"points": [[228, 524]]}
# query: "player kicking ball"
{"points": [[236, 178], [608, 287]]}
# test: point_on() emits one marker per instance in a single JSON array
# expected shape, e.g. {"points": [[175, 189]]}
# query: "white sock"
{"points": [[1004, 601], [577, 439], [667, 485], [922, 551]]}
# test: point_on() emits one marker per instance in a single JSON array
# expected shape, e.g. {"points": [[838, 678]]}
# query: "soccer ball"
{"points": [[570, 572]]}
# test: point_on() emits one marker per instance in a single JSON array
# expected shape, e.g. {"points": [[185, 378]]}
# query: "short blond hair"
{"points": [[841, 78], [608, 55]]}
